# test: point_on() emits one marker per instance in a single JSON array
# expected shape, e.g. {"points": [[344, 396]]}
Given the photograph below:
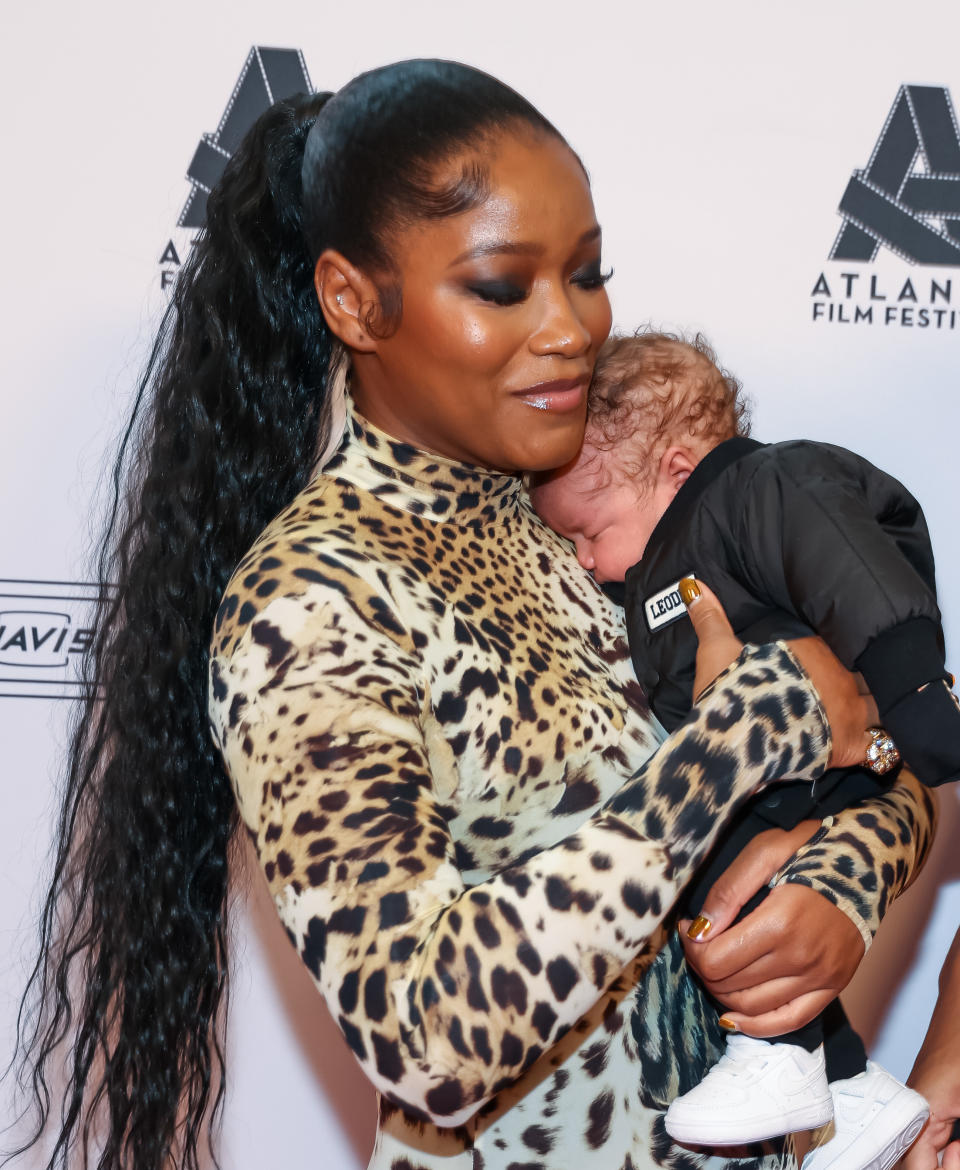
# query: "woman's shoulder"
{"points": [[317, 549]]}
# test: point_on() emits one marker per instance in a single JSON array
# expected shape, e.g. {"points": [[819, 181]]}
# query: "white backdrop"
{"points": [[720, 139]]}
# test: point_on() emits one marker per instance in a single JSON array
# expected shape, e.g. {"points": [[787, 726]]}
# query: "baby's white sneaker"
{"points": [[876, 1120], [756, 1090]]}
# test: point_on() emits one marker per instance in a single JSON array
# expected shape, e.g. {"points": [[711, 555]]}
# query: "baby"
{"points": [[794, 538]]}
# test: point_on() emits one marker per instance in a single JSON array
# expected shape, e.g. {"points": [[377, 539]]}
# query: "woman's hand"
{"points": [[755, 864], [772, 969], [717, 645], [848, 712], [782, 964]]}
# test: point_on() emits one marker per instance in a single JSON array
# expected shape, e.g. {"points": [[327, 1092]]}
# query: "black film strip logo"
{"points": [[268, 75], [907, 198]]}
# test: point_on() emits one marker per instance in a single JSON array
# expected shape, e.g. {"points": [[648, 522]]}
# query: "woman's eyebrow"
{"points": [[499, 248], [517, 248]]}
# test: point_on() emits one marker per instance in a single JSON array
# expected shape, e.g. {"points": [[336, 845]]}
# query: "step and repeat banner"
{"points": [[786, 180]]}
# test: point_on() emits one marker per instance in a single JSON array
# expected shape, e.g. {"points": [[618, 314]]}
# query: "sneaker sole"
{"points": [[899, 1146], [810, 1117], [913, 1113]]}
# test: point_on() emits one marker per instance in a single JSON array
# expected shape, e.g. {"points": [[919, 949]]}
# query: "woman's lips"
{"points": [[560, 395]]}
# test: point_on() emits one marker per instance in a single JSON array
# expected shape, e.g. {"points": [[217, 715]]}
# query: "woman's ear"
{"points": [[349, 300]]}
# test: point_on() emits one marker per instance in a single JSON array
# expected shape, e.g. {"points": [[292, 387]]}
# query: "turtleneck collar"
{"points": [[417, 481]]}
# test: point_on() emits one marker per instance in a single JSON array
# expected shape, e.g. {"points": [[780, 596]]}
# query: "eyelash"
{"points": [[504, 294], [592, 279], [498, 293]]}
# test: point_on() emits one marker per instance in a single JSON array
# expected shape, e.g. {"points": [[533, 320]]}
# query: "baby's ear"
{"points": [[675, 466]]}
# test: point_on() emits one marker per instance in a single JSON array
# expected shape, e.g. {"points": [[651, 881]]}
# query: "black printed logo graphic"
{"points": [[268, 75], [45, 628], [907, 198]]}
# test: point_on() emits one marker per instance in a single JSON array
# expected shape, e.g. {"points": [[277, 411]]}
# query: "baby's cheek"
{"points": [[613, 557]]}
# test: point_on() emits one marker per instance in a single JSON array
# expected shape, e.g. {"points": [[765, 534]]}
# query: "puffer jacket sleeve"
{"points": [[826, 536], [846, 548]]}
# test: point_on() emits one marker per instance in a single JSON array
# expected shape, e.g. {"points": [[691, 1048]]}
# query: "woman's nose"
{"points": [[561, 330]]}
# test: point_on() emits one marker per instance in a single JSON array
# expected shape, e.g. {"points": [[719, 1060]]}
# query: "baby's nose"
{"points": [[585, 556]]}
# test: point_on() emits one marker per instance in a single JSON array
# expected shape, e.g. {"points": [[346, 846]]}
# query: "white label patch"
{"points": [[666, 606]]}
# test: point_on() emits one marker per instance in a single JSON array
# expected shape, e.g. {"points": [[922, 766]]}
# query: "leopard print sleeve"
{"points": [[861, 859], [447, 991]]}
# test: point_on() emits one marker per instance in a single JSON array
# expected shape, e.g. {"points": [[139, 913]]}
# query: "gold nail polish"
{"points": [[689, 590], [699, 928], [728, 1025]]}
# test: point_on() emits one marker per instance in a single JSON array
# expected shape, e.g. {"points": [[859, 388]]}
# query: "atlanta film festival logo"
{"points": [[905, 202], [268, 76]]}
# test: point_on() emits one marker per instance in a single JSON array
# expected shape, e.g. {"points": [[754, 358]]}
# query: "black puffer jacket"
{"points": [[795, 537]]}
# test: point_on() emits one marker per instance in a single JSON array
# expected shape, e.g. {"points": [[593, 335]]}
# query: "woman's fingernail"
{"points": [[699, 928], [689, 590], [728, 1025]]}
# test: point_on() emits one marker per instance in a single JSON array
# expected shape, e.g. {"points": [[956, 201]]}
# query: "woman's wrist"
{"points": [[760, 719], [862, 863]]}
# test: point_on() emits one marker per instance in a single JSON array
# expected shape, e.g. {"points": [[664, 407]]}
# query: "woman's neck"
{"points": [[417, 480]]}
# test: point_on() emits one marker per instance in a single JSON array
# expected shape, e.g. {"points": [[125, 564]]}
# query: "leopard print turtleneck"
{"points": [[427, 712]]}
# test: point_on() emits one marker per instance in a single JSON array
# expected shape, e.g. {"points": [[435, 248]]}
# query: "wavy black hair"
{"points": [[225, 428]]}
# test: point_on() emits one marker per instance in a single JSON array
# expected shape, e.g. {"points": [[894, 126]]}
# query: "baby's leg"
{"points": [[842, 1046], [762, 1089], [759, 1089], [784, 808]]}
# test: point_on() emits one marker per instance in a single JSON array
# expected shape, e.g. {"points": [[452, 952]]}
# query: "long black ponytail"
{"points": [[225, 429]]}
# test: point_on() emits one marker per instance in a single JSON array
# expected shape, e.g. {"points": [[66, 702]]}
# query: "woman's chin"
{"points": [[546, 450]]}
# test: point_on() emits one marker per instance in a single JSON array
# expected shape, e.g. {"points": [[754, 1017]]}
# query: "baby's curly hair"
{"points": [[649, 387]]}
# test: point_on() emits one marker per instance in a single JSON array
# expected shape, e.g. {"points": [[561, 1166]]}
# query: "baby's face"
{"points": [[610, 525]]}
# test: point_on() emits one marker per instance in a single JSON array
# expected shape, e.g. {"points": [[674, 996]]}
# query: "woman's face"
{"points": [[503, 312]]}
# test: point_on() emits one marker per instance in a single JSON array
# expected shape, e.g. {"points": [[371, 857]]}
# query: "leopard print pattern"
{"points": [[437, 746], [835, 863]]}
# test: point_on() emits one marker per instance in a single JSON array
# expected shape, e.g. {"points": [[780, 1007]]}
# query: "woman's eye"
{"points": [[498, 292], [591, 277]]}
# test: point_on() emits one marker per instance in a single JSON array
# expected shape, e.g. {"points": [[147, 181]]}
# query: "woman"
{"points": [[424, 707]]}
